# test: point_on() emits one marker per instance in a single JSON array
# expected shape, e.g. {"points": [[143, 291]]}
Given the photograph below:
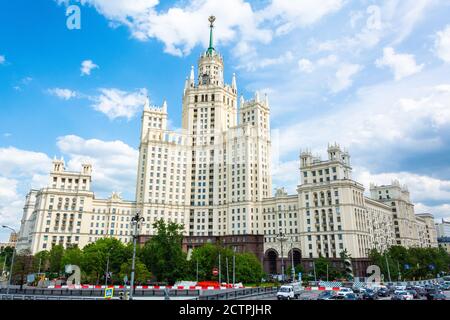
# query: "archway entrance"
{"points": [[272, 261]]}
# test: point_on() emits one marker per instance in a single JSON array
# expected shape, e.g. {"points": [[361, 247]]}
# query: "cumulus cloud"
{"points": [[87, 66], [65, 94], [115, 103], [182, 26], [442, 44], [114, 162], [344, 77], [403, 65]]}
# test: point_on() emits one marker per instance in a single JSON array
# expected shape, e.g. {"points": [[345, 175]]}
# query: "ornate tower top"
{"points": [[211, 20]]}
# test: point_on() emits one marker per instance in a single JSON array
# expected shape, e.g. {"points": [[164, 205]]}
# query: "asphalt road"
{"points": [[312, 295]]}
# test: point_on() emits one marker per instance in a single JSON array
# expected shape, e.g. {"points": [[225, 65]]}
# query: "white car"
{"points": [[344, 291], [404, 294]]}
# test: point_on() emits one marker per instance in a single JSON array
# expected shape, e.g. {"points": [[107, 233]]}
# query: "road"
{"points": [[312, 295]]}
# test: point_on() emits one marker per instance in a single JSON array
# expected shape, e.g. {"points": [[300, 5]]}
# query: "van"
{"points": [[289, 291]]}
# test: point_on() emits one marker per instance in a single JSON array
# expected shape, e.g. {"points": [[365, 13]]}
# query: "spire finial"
{"points": [[211, 20]]}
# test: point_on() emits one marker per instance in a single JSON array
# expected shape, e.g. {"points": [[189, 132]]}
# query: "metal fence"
{"points": [[97, 293], [240, 294]]}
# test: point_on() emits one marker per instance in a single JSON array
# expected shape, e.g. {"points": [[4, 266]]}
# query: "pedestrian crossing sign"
{"points": [[109, 293]]}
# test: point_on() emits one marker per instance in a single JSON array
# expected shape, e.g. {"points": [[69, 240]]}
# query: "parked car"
{"points": [[351, 296], [383, 292], [431, 293], [420, 290], [344, 291], [325, 295], [369, 294], [402, 295], [439, 296], [414, 293]]}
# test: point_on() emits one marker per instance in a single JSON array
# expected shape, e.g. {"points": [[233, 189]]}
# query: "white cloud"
{"points": [[2, 59], [22, 163], [11, 203], [256, 64], [114, 162], [116, 103], [415, 111], [421, 187], [289, 14], [403, 65], [344, 77], [442, 44], [184, 25], [87, 66], [65, 94], [438, 211], [305, 65]]}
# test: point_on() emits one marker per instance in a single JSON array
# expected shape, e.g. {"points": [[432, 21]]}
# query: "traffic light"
{"points": [[348, 269]]}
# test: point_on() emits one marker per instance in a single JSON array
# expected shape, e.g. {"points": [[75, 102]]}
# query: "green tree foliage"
{"points": [[248, 267], [411, 263], [142, 275], [163, 254], [95, 258], [72, 255], [55, 258]]}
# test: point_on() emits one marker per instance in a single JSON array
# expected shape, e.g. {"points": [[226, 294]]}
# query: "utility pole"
{"points": [[282, 237], [234, 266], [197, 270], [387, 265], [327, 272], [228, 275], [107, 268], [135, 220], [220, 272], [292, 260], [314, 266]]}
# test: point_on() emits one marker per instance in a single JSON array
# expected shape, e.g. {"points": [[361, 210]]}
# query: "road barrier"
{"points": [[240, 294]]}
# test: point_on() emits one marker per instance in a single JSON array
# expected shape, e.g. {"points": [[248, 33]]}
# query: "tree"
{"points": [[23, 266], [163, 254], [142, 275], [72, 256], [55, 257], [95, 257], [248, 268]]}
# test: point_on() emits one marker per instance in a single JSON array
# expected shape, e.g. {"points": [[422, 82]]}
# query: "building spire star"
{"points": [[211, 20]]}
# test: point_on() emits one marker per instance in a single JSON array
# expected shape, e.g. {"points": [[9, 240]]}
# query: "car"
{"points": [[420, 291], [439, 296], [369, 294], [336, 297], [402, 295], [351, 296], [344, 291], [383, 292], [325, 295], [414, 293], [431, 293]]}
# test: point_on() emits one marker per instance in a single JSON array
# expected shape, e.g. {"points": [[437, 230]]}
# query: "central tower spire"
{"points": [[211, 20]]}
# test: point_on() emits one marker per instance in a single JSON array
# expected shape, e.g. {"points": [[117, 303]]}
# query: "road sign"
{"points": [[299, 277], [407, 266], [109, 293], [215, 272]]}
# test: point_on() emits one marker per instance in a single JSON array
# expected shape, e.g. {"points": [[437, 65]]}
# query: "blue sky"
{"points": [[370, 75]]}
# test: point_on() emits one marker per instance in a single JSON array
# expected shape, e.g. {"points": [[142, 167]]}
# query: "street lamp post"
{"points": [[135, 220], [292, 260], [12, 262], [282, 237], [107, 267], [234, 267]]}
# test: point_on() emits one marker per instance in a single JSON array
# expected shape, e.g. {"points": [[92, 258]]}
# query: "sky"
{"points": [[373, 76]]}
